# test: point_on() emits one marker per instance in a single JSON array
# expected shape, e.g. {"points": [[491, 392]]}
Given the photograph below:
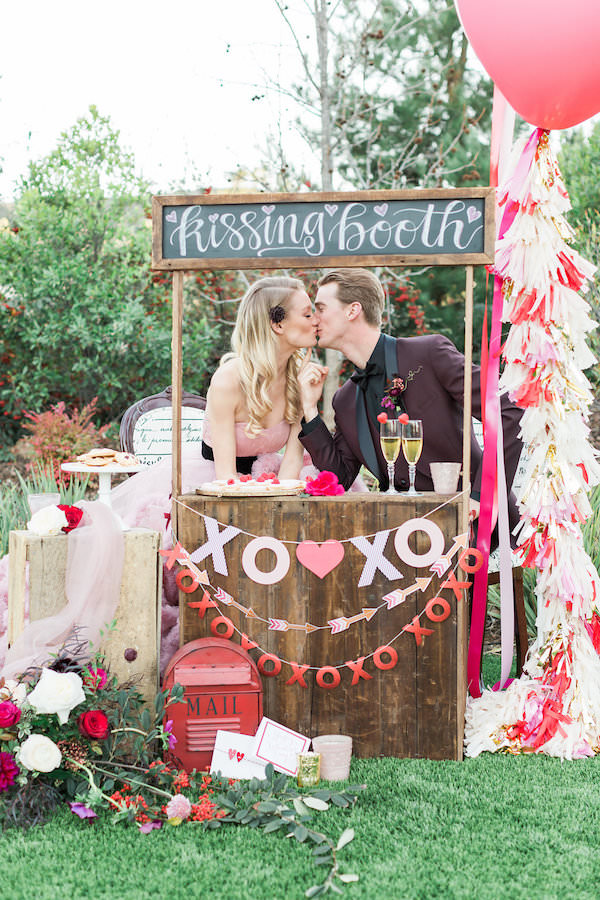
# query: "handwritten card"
{"points": [[276, 744], [234, 757]]}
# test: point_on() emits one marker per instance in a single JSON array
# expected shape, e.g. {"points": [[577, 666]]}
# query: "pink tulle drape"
{"points": [[92, 586]]}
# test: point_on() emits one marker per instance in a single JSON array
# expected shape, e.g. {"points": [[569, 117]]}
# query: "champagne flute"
{"points": [[412, 444], [390, 437]]}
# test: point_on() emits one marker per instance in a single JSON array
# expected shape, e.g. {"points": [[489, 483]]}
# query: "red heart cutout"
{"points": [[404, 418], [320, 559], [240, 756], [382, 417], [231, 753], [542, 54]]}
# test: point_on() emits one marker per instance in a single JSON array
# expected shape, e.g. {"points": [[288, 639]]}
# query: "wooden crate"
{"points": [[138, 610], [415, 709]]}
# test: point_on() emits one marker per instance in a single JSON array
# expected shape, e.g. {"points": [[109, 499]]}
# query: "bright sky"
{"points": [[176, 78]]}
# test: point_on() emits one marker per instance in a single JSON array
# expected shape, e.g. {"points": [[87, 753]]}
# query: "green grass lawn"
{"points": [[492, 827]]}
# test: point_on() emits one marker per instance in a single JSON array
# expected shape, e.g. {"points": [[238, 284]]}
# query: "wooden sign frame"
{"points": [[364, 227]]}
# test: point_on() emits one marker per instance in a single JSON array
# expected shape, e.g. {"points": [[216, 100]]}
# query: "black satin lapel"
{"points": [[365, 438], [391, 365]]}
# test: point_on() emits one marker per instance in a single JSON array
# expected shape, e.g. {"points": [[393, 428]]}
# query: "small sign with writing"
{"points": [[152, 436], [231, 231]]}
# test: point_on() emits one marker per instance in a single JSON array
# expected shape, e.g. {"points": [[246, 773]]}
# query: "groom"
{"points": [[349, 306]]}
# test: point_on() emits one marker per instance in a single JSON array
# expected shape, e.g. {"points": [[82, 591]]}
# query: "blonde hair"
{"points": [[358, 286], [254, 343]]}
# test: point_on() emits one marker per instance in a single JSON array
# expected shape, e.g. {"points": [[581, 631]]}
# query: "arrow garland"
{"points": [[189, 569]]}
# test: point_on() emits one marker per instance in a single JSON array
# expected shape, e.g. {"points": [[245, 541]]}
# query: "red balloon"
{"points": [[542, 54]]}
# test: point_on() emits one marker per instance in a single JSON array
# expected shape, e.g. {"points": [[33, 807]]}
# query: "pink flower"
{"points": [[326, 484], [178, 807], [94, 679], [83, 811], [8, 770], [147, 827], [9, 714], [169, 731]]}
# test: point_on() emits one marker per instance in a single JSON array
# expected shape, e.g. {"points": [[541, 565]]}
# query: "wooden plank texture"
{"points": [[410, 710], [137, 614]]}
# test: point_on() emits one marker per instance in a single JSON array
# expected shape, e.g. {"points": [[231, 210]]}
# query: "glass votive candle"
{"points": [[336, 751], [309, 769], [39, 501]]}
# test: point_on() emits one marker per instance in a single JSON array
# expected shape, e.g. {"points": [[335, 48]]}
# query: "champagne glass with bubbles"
{"points": [[390, 437], [412, 444]]}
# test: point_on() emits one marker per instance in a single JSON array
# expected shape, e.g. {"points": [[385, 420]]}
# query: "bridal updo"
{"points": [[254, 343]]}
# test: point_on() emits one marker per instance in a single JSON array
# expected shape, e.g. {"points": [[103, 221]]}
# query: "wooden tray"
{"points": [[226, 490]]}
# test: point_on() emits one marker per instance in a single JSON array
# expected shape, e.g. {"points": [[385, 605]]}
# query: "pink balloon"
{"points": [[544, 55]]}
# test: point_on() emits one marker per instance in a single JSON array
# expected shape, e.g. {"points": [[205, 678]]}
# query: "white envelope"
{"points": [[274, 743], [234, 757]]}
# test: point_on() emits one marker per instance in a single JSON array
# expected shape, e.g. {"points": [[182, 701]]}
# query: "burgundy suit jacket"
{"points": [[434, 394]]}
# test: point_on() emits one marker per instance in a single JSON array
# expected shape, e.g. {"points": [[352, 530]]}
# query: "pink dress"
{"points": [[143, 500]]}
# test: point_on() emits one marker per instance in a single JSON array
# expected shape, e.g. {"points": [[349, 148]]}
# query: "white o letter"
{"points": [[419, 561], [249, 560]]}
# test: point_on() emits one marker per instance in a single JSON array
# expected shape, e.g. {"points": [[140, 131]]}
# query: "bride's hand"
{"points": [[311, 379]]}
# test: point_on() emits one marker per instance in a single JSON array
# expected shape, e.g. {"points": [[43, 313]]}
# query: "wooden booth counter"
{"points": [[413, 708]]}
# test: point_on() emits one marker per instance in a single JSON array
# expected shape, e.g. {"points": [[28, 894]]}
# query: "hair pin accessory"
{"points": [[277, 314]]}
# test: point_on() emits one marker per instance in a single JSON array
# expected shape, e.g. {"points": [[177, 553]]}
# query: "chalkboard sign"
{"points": [[366, 228]]}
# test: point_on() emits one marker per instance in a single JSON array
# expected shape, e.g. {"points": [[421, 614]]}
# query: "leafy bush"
{"points": [[57, 436]]}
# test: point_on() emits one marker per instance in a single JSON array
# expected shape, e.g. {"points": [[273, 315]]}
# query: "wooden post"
{"points": [[176, 381]]}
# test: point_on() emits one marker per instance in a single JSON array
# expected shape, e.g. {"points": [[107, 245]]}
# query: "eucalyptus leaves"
{"points": [[275, 805]]}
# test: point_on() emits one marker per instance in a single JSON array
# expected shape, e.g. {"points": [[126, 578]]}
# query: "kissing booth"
{"points": [[352, 607]]}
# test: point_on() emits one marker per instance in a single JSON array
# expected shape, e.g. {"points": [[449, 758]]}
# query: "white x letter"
{"points": [[214, 545], [375, 558]]}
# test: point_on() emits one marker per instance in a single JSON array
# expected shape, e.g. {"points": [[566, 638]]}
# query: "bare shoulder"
{"points": [[227, 376], [225, 385]]}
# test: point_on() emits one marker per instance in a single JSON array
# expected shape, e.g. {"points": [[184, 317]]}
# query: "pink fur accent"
{"points": [[267, 462]]}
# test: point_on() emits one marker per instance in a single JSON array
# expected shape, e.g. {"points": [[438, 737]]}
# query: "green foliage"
{"points": [[579, 162], [420, 115], [274, 805], [81, 314]]}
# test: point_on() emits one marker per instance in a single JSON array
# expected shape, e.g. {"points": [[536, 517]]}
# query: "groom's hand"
{"points": [[311, 380]]}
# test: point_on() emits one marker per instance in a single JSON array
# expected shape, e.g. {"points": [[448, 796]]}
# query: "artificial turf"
{"points": [[493, 827]]}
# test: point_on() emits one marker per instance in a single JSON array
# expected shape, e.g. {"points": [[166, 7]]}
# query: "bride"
{"points": [[253, 407], [253, 412]]}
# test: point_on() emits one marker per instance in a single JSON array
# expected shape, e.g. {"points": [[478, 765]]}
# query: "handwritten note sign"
{"points": [[152, 437], [224, 231]]}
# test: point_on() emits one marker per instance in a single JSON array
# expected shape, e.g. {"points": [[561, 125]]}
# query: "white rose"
{"points": [[14, 691], [57, 692], [46, 521], [39, 754]]}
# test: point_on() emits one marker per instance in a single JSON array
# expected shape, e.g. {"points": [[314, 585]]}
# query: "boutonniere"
{"points": [[392, 396]]}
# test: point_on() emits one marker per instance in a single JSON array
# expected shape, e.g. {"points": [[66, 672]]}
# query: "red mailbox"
{"points": [[222, 691]]}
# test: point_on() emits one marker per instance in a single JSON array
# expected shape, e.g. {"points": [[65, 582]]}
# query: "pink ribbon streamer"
{"points": [[489, 465], [507, 601]]}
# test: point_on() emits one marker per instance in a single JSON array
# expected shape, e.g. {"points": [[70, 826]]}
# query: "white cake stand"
{"points": [[104, 474]]}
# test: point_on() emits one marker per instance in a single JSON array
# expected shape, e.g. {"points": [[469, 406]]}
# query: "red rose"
{"points": [[74, 516], [326, 484], [93, 724], [9, 714]]}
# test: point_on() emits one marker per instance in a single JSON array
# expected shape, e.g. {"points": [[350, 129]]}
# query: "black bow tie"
{"points": [[361, 376]]}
